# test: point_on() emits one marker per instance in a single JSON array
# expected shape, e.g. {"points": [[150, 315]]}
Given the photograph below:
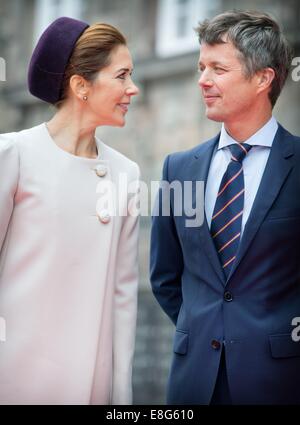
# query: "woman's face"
{"points": [[110, 93]]}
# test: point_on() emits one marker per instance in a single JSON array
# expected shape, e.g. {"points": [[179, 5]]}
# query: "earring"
{"points": [[85, 98]]}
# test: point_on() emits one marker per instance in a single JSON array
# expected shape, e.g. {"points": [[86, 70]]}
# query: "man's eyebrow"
{"points": [[213, 63]]}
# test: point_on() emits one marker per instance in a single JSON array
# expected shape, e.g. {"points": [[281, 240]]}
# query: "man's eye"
{"points": [[122, 76]]}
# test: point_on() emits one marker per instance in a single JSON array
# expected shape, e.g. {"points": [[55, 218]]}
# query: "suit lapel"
{"points": [[199, 169], [277, 169]]}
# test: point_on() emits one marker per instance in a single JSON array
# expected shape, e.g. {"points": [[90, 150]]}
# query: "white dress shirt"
{"points": [[254, 165]]}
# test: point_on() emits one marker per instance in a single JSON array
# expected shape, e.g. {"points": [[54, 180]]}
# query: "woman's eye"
{"points": [[122, 76]]}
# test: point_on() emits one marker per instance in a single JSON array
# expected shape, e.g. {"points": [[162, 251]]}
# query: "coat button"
{"points": [[228, 296], [216, 345], [101, 170], [104, 216]]}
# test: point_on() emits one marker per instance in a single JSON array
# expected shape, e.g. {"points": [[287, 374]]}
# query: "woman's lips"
{"points": [[124, 106]]}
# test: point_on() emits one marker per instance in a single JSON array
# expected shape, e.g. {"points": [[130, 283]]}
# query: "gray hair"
{"points": [[259, 40]]}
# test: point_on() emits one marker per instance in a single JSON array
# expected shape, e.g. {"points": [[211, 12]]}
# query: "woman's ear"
{"points": [[79, 86]]}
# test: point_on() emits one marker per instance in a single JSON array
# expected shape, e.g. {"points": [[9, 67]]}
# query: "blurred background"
{"points": [[167, 116]]}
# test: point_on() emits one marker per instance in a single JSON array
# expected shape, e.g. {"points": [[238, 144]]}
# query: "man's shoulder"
{"points": [[290, 143], [196, 152], [286, 133]]}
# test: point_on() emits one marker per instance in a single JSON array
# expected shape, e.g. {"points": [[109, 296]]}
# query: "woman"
{"points": [[68, 265]]}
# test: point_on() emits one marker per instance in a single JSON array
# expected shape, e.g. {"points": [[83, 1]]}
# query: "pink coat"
{"points": [[68, 274]]}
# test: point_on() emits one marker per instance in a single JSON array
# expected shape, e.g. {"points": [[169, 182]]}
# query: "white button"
{"points": [[104, 216], [101, 170]]}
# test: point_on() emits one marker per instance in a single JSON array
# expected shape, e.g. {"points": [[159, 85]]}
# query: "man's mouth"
{"points": [[209, 98]]}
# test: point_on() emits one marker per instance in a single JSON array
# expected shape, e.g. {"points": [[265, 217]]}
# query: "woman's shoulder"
{"points": [[9, 154], [7, 143], [16, 139], [120, 160]]}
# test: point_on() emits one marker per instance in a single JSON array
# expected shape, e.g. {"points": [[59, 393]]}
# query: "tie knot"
{"points": [[239, 151]]}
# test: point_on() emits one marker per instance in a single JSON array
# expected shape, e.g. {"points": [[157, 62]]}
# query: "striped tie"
{"points": [[227, 216]]}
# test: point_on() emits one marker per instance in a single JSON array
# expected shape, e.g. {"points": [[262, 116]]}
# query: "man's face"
{"points": [[228, 95]]}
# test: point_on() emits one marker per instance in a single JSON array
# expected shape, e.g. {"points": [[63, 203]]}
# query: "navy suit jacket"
{"points": [[250, 312]]}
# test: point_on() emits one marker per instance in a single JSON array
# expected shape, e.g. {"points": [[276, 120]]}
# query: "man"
{"points": [[232, 284]]}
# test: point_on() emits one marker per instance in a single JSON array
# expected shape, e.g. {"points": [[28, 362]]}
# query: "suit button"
{"points": [[216, 345], [101, 170], [104, 216], [228, 296]]}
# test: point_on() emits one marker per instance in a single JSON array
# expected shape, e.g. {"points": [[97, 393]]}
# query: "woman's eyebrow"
{"points": [[125, 69]]}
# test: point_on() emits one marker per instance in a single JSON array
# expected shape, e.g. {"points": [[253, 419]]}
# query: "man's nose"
{"points": [[205, 80]]}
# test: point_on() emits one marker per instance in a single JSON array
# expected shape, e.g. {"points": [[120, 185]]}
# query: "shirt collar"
{"points": [[263, 137]]}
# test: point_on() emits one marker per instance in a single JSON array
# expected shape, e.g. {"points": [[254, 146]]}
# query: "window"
{"points": [[176, 21], [47, 11]]}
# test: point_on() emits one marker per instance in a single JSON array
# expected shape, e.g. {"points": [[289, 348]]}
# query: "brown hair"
{"points": [[91, 53]]}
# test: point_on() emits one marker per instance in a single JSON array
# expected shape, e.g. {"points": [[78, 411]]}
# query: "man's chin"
{"points": [[214, 116]]}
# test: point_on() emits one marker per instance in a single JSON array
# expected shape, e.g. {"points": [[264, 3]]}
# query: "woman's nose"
{"points": [[132, 90]]}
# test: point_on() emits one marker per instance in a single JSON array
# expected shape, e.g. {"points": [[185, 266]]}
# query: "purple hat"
{"points": [[50, 57]]}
